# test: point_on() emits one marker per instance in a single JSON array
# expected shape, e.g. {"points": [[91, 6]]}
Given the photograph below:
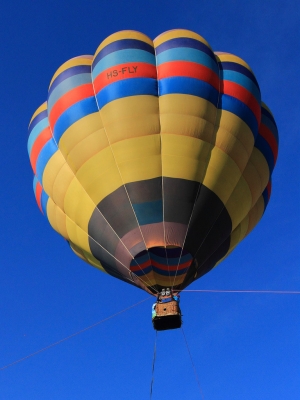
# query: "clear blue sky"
{"points": [[244, 346]]}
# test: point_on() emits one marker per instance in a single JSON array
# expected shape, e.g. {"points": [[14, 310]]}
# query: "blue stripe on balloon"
{"points": [[122, 57], [262, 145], [121, 45], [240, 109], [72, 114], [159, 271], [67, 85], [268, 120], [45, 154], [35, 133], [78, 69], [125, 88], [171, 252], [183, 42], [174, 252], [141, 272], [172, 261], [185, 54], [163, 256], [142, 257], [233, 66], [186, 85], [150, 212], [268, 114], [265, 196], [242, 80], [44, 201], [269, 123], [37, 119]]}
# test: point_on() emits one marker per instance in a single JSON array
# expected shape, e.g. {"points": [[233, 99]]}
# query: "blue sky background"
{"points": [[244, 346]]}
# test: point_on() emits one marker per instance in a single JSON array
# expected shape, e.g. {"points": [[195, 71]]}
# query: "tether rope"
{"points": [[211, 142], [136, 304], [122, 179], [193, 365], [242, 291], [74, 334], [153, 365]]}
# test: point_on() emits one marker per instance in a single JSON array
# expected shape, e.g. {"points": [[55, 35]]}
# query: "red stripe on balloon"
{"points": [[145, 264], [267, 134], [188, 69], [124, 71], [39, 143], [239, 92], [67, 100], [38, 195], [163, 267]]}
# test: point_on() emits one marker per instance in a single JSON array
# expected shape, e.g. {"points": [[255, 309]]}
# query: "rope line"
{"points": [[73, 334], [136, 304], [193, 365], [243, 291], [96, 208], [126, 191], [212, 142], [153, 365], [161, 163]]}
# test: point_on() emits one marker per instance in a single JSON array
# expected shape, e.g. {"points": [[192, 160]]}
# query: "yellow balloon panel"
{"points": [[175, 33], [57, 218], [222, 174], [187, 115], [133, 116], [239, 202], [185, 157]]}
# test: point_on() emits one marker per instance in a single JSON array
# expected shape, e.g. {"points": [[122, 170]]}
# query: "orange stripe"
{"points": [[41, 140], [188, 69], [124, 71], [163, 267], [267, 134], [38, 195], [239, 92], [145, 264], [171, 267], [67, 100]]}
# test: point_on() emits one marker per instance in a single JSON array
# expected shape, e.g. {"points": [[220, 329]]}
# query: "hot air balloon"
{"points": [[153, 159]]}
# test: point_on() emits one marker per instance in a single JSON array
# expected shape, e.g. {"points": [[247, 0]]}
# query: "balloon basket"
{"points": [[168, 316]]}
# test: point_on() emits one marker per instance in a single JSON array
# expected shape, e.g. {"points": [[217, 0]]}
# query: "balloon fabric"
{"points": [[153, 159]]}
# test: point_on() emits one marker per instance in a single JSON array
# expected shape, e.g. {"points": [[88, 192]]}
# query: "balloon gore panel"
{"points": [[153, 159]]}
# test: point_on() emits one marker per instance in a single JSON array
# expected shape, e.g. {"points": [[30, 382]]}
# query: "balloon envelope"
{"points": [[153, 159]]}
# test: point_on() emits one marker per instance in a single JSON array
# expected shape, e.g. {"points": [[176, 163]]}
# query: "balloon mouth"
{"points": [[160, 267]]}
